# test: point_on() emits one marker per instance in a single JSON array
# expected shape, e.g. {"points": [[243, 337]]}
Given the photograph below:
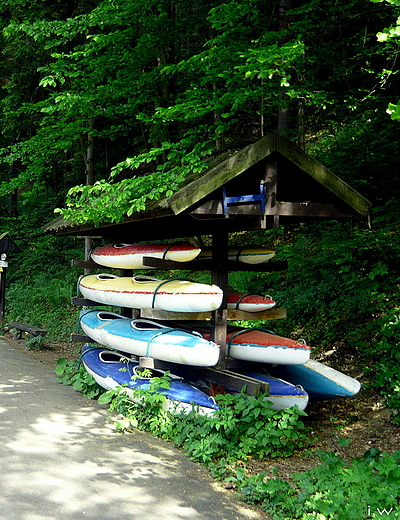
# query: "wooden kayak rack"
{"points": [[223, 375], [286, 186]]}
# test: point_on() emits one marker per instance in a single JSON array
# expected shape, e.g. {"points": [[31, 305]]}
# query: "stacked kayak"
{"points": [[282, 394], [249, 302], [319, 380], [247, 255], [130, 256], [292, 376], [143, 337], [112, 369], [262, 346], [145, 292]]}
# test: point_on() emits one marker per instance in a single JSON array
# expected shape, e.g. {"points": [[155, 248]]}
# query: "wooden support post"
{"points": [[220, 278], [125, 311], [271, 174], [2, 295]]}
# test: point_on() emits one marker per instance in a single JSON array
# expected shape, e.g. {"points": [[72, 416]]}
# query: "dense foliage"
{"points": [[366, 487]]}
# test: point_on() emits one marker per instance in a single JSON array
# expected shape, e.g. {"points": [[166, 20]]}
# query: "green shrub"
{"points": [[367, 487], [244, 426], [74, 374]]}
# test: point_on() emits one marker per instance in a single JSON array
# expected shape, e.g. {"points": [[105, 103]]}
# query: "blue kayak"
{"points": [[111, 369], [319, 380], [143, 337], [282, 394]]}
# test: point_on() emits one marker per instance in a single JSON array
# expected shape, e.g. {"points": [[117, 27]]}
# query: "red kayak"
{"points": [[250, 302], [262, 346], [130, 256]]}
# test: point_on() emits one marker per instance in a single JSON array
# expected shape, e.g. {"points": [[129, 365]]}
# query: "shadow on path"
{"points": [[61, 459]]}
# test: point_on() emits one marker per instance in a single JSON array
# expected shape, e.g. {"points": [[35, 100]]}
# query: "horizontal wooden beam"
{"points": [[283, 209], [84, 302], [206, 265], [81, 338], [225, 378], [215, 207], [309, 209], [156, 314], [85, 264]]}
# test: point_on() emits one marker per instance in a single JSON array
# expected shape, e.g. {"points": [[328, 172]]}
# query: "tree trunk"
{"points": [[90, 179]]}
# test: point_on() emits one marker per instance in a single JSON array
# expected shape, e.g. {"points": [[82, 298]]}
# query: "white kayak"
{"points": [[145, 292], [149, 338], [262, 346], [247, 255], [130, 256]]}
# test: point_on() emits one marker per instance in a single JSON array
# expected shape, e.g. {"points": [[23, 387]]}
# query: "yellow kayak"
{"points": [[145, 292]]}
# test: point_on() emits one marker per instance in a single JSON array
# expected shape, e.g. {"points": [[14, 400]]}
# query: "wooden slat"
{"points": [[83, 302], [33, 331], [206, 265], [81, 338], [155, 314], [85, 264], [309, 209], [225, 378], [214, 208]]}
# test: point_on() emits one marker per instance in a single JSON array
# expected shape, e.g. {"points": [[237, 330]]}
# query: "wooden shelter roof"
{"points": [[297, 189], [7, 244]]}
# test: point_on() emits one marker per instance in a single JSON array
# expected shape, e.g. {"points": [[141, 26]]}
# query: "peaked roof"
{"points": [[296, 186], [7, 244]]}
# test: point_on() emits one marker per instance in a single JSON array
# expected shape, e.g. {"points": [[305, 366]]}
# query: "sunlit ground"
{"points": [[61, 459]]}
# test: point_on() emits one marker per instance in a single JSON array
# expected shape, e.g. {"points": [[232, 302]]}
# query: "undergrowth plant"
{"points": [[243, 426], [36, 343], [74, 373], [367, 487], [364, 488]]}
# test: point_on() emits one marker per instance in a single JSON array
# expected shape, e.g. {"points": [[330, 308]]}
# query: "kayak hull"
{"points": [[130, 256], [247, 255], [319, 380], [143, 337], [282, 394], [249, 302], [260, 346], [112, 369], [141, 292]]}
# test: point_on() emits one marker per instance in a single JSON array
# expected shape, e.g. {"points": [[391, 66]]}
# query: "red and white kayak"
{"points": [[247, 255], [262, 346], [130, 256], [145, 292], [250, 302]]}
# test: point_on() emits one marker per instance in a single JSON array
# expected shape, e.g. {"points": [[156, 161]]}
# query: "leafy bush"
{"points": [[75, 374], [244, 426], [366, 487]]}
